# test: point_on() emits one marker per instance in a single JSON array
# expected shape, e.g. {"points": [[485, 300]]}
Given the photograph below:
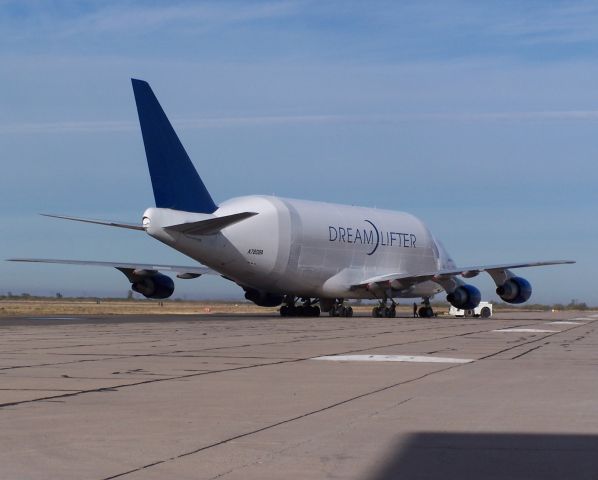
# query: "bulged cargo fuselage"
{"points": [[305, 248]]}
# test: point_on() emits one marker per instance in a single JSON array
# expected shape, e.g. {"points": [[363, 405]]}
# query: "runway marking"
{"points": [[526, 330], [594, 316], [582, 318], [392, 358], [565, 322]]}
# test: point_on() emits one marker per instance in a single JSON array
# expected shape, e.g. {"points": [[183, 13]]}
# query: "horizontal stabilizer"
{"points": [[211, 225], [109, 223]]}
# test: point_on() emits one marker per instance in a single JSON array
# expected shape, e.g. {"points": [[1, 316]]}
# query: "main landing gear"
{"points": [[384, 310], [340, 310], [306, 309], [425, 311]]}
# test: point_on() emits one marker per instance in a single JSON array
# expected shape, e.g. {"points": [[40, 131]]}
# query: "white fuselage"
{"points": [[307, 249]]}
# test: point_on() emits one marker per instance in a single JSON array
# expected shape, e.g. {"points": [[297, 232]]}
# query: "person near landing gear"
{"points": [[414, 310]]}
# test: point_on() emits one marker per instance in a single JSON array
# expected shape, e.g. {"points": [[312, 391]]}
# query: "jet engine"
{"points": [[154, 286], [515, 290], [263, 299], [465, 297]]}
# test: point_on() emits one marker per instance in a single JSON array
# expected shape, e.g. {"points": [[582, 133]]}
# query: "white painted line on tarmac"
{"points": [[392, 358], [565, 322], [526, 330], [594, 316], [582, 318]]}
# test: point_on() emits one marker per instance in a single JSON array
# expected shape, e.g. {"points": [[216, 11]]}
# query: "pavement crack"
{"points": [[278, 424], [244, 367], [530, 350], [520, 344]]}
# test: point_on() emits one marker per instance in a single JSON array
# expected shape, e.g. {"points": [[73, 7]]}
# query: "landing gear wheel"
{"points": [[339, 310], [384, 312], [485, 313], [425, 312], [306, 309]]}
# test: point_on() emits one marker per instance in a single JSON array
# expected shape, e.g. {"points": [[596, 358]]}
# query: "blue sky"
{"points": [[479, 117]]}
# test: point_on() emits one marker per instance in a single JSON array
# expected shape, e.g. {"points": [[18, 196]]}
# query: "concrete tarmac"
{"points": [[246, 397]]}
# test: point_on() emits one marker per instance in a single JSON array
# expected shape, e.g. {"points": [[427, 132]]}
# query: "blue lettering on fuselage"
{"points": [[372, 236]]}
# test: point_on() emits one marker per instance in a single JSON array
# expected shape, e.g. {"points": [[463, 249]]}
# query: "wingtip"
{"points": [[53, 215]]}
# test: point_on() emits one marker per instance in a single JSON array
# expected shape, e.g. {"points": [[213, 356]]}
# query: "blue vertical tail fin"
{"points": [[175, 181]]}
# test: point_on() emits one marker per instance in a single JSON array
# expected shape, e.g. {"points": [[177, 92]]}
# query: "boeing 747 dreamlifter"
{"points": [[305, 256]]}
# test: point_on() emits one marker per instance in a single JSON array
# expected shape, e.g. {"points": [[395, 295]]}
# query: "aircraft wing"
{"points": [[467, 272], [181, 271]]}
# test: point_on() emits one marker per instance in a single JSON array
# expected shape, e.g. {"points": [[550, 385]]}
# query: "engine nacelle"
{"points": [[465, 297], [515, 290], [155, 286], [263, 299]]}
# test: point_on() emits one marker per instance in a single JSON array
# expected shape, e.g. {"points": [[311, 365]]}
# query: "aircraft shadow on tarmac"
{"points": [[495, 456]]}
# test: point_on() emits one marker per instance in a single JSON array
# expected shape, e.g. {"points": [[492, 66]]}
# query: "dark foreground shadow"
{"points": [[495, 456]]}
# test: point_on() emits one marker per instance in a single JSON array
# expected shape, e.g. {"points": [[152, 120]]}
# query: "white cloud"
{"points": [[126, 18], [197, 16], [29, 128], [570, 23]]}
